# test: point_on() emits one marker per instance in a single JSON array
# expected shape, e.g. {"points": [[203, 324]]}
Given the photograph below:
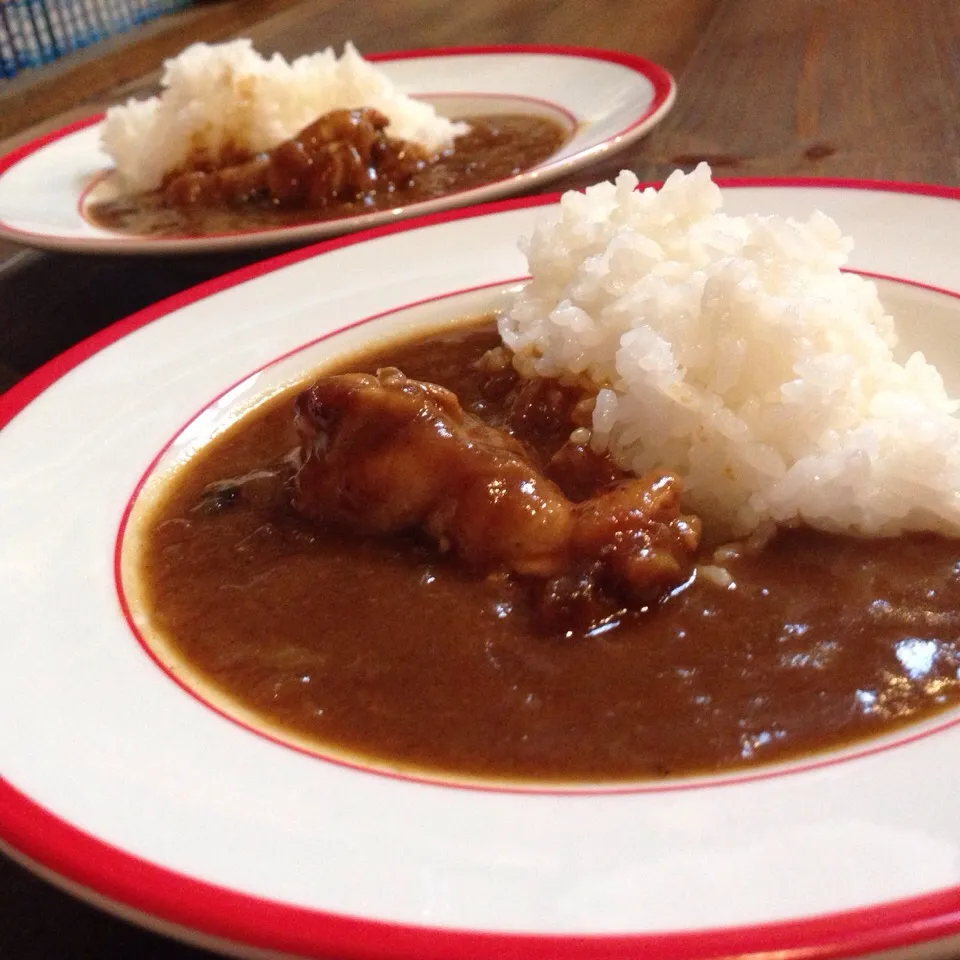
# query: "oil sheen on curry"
{"points": [[415, 561], [342, 165]]}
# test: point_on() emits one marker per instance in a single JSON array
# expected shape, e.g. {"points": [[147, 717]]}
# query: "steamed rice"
{"points": [[734, 351], [221, 99]]}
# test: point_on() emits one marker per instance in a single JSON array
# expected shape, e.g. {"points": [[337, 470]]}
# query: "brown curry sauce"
{"points": [[379, 649], [496, 147]]}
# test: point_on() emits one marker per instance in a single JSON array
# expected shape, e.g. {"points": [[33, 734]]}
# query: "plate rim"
{"points": [[131, 883], [664, 96]]}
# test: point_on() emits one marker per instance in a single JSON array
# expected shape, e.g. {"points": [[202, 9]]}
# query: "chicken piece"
{"points": [[233, 185], [547, 412], [342, 156], [581, 472], [386, 454], [638, 534], [542, 407]]}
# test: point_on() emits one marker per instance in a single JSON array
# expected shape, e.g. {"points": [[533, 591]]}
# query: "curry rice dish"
{"points": [[433, 558], [341, 165], [515, 654], [238, 142]]}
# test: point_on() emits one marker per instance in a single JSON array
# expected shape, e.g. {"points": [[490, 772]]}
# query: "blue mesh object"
{"points": [[33, 32]]}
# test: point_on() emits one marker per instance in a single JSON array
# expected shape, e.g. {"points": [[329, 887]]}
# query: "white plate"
{"points": [[606, 99], [124, 788]]}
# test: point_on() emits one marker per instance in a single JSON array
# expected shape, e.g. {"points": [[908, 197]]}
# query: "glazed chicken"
{"points": [[385, 454], [344, 155]]}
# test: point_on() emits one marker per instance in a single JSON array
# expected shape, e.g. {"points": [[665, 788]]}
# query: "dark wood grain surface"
{"points": [[792, 87]]}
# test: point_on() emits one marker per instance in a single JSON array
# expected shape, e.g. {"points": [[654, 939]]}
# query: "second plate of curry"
{"points": [[535, 113]]}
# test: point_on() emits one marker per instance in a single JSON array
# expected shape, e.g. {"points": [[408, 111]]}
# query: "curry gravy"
{"points": [[495, 148], [380, 649]]}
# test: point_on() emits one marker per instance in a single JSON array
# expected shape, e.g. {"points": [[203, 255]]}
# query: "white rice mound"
{"points": [[224, 96], [734, 351]]}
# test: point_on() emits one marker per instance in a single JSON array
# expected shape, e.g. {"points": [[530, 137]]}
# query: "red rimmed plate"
{"points": [[605, 100], [124, 788]]}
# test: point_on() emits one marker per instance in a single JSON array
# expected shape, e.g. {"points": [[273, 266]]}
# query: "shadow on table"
{"points": [[49, 302], [38, 922]]}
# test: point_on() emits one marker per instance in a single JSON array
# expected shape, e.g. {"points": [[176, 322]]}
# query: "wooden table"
{"points": [[791, 87]]}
